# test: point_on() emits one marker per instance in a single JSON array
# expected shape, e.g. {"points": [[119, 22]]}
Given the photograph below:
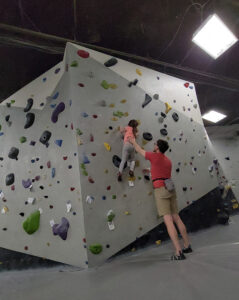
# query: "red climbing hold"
{"points": [[95, 116], [48, 164], [13, 187], [65, 157], [25, 248], [108, 188], [91, 138], [84, 240], [81, 84], [91, 180], [72, 127], [93, 154], [51, 206], [83, 53], [72, 189], [186, 84]]}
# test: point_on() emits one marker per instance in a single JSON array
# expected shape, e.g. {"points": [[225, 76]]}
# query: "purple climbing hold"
{"points": [[32, 143], [27, 183], [58, 142], [57, 70], [61, 229], [84, 114], [85, 159], [60, 108]]}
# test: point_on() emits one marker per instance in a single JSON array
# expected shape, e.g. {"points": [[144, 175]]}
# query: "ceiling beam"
{"points": [[20, 35]]}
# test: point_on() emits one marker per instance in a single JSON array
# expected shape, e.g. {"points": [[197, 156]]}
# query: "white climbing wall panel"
{"points": [[83, 166]]}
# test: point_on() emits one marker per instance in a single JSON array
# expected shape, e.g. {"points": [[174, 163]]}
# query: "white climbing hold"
{"points": [[68, 206], [31, 200], [4, 210], [89, 199], [131, 183], [52, 223], [40, 210], [111, 225], [1, 195]]}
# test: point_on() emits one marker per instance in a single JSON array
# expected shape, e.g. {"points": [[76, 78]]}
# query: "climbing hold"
{"points": [[4, 210], [29, 105], [13, 153], [108, 188], [194, 170], [113, 86], [116, 161], [161, 119], [135, 82], [163, 131], [147, 136], [185, 189], [65, 157], [61, 229], [127, 213], [168, 107], [31, 200], [102, 103], [104, 84], [72, 189], [53, 172], [30, 118], [32, 143], [147, 100], [156, 96], [78, 131], [68, 206], [10, 178], [107, 146], [175, 116], [58, 142], [81, 84], [227, 158], [91, 138], [46, 135], [74, 63], [95, 116], [123, 101], [48, 164], [110, 216], [91, 180], [114, 119], [83, 53], [158, 242], [112, 105], [57, 70], [146, 177], [85, 159], [89, 199], [60, 108], [186, 84], [32, 223], [96, 249], [111, 62], [138, 72], [84, 115], [23, 139], [27, 184]]}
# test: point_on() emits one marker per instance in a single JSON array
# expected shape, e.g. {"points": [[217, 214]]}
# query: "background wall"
{"points": [[225, 141], [93, 173]]}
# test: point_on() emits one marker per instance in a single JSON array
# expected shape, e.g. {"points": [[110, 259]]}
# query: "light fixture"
{"points": [[213, 116], [214, 37]]}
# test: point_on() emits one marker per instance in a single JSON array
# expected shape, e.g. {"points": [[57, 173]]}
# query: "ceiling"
{"points": [[159, 30]]}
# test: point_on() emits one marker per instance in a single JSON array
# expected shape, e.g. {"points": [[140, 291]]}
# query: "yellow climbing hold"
{"points": [[138, 72], [144, 142], [233, 200], [123, 101], [4, 210], [138, 121], [127, 213], [114, 119], [113, 86], [79, 141], [106, 171], [235, 206], [168, 107], [227, 187], [126, 114], [131, 178], [158, 242], [107, 146], [112, 105], [106, 132], [150, 193], [137, 163]]}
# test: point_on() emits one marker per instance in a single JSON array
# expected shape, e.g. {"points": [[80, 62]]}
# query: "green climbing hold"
{"points": [[105, 84], [23, 139], [74, 63], [118, 114], [110, 217], [31, 224], [79, 132], [12, 101], [96, 249], [113, 196]]}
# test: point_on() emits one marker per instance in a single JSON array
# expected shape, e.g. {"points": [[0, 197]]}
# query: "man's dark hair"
{"points": [[162, 145]]}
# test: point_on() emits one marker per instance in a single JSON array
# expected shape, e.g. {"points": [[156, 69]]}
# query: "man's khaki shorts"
{"points": [[166, 201]]}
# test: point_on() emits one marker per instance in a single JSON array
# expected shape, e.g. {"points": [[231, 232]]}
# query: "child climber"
{"points": [[128, 152]]}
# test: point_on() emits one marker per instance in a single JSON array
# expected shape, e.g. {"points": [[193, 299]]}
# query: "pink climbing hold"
{"points": [[186, 84], [83, 53]]}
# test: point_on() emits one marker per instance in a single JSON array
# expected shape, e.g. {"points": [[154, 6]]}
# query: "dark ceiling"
{"points": [[154, 29]]}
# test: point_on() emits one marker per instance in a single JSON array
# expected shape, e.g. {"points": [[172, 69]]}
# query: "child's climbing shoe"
{"points": [[188, 249], [131, 173], [119, 177], [181, 256]]}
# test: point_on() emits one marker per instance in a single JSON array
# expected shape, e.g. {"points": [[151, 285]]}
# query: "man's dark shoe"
{"points": [[178, 257], [188, 249], [119, 177]]}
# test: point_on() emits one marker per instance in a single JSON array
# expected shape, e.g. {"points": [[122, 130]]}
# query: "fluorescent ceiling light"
{"points": [[214, 37], [213, 116]]}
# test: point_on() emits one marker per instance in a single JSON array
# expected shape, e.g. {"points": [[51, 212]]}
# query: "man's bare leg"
{"points": [[182, 229], [168, 220]]}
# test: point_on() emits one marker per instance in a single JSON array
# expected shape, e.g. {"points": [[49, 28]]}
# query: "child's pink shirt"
{"points": [[128, 133]]}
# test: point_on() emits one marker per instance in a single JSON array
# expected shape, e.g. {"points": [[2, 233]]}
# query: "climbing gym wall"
{"points": [[60, 150], [225, 141]]}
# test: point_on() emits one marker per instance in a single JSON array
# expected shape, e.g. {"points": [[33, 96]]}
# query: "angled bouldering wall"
{"points": [[85, 214]]}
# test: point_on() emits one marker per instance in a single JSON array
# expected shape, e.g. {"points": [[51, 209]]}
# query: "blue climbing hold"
{"points": [[58, 142], [55, 96], [70, 102], [84, 114], [85, 159], [103, 197], [44, 79], [1, 133], [53, 172], [53, 105], [57, 70]]}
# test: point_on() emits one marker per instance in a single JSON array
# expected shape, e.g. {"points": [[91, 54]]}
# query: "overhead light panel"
{"points": [[214, 37], [213, 116]]}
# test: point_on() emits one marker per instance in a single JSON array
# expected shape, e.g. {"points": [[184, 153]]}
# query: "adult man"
{"points": [[166, 201]]}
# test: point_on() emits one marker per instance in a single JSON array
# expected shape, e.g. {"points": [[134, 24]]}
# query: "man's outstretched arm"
{"points": [[137, 147]]}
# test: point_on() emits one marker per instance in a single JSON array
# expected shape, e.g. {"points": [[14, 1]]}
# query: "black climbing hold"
{"points": [[41, 187], [177, 170], [163, 131], [147, 136], [227, 158], [156, 96], [30, 118], [107, 246], [135, 82], [146, 177], [7, 118], [29, 105], [175, 116], [184, 189], [165, 126], [22, 214], [1, 158], [13, 153], [8, 104], [111, 62], [117, 160], [45, 137], [10, 178], [163, 115], [147, 100]]}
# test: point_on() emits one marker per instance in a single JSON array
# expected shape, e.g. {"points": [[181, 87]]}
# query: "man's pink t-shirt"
{"points": [[161, 167], [128, 133]]}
